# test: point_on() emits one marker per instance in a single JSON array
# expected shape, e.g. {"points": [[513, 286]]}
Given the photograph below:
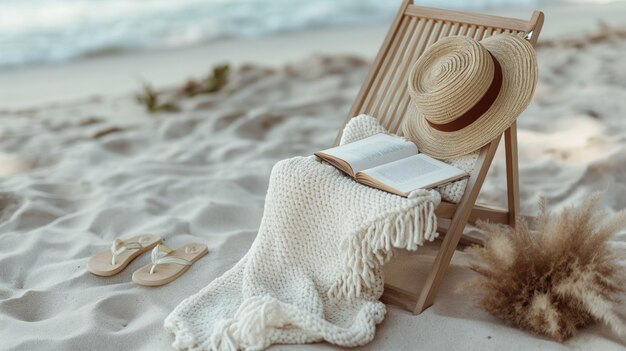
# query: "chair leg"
{"points": [[451, 240], [512, 173], [429, 291]]}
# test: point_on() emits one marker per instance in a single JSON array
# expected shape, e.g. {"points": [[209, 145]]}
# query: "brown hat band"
{"points": [[479, 108]]}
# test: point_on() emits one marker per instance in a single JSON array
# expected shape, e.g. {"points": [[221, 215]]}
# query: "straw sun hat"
{"points": [[465, 93]]}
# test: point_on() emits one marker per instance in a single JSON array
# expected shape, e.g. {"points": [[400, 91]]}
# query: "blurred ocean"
{"points": [[43, 31]]}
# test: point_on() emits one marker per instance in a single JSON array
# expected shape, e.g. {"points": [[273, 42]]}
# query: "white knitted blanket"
{"points": [[313, 272]]}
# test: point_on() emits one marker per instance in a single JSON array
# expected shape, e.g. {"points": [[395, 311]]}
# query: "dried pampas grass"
{"points": [[561, 276]]}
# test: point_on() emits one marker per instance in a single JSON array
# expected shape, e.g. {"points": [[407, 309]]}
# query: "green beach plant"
{"points": [[213, 83], [149, 98]]}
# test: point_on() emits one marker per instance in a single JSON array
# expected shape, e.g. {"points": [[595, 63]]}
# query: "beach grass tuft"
{"points": [[557, 278], [213, 83], [150, 98]]}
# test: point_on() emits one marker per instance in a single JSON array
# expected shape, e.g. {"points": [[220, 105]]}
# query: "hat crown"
{"points": [[450, 78], [444, 83]]}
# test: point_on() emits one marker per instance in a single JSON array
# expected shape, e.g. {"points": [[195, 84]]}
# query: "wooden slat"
{"points": [[470, 237], [479, 33], [448, 29], [464, 29], [472, 31], [403, 99], [446, 210], [426, 40], [382, 93], [398, 77], [394, 43], [434, 37], [488, 32], [456, 27], [465, 17], [403, 104], [390, 62], [373, 72]]}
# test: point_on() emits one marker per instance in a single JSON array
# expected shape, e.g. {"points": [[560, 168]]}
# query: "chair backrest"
{"points": [[384, 94]]}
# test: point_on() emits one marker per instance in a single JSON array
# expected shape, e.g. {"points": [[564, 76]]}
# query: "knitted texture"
{"points": [[314, 271], [363, 126]]}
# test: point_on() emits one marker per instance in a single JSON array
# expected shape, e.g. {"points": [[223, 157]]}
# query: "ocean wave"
{"points": [[42, 31]]}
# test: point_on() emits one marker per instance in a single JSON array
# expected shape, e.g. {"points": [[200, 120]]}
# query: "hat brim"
{"points": [[519, 79]]}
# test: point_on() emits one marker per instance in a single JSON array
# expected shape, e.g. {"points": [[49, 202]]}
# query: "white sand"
{"points": [[69, 188]]}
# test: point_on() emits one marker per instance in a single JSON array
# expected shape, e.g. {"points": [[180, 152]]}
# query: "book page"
{"points": [[414, 172], [373, 151]]}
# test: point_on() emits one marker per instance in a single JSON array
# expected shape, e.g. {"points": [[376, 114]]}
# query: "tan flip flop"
{"points": [[122, 252], [168, 264]]}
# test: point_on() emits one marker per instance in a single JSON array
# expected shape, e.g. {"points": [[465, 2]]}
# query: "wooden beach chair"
{"points": [[384, 95]]}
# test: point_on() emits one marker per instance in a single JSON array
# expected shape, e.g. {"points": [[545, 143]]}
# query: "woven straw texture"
{"points": [[453, 76]]}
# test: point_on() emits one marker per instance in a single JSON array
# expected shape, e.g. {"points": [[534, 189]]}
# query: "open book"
{"points": [[391, 164]]}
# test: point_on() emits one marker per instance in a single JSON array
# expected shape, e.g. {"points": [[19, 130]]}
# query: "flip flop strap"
{"points": [[160, 256], [119, 246]]}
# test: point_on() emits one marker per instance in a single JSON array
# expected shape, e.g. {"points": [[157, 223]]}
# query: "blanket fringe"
{"points": [[248, 329], [371, 248]]}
